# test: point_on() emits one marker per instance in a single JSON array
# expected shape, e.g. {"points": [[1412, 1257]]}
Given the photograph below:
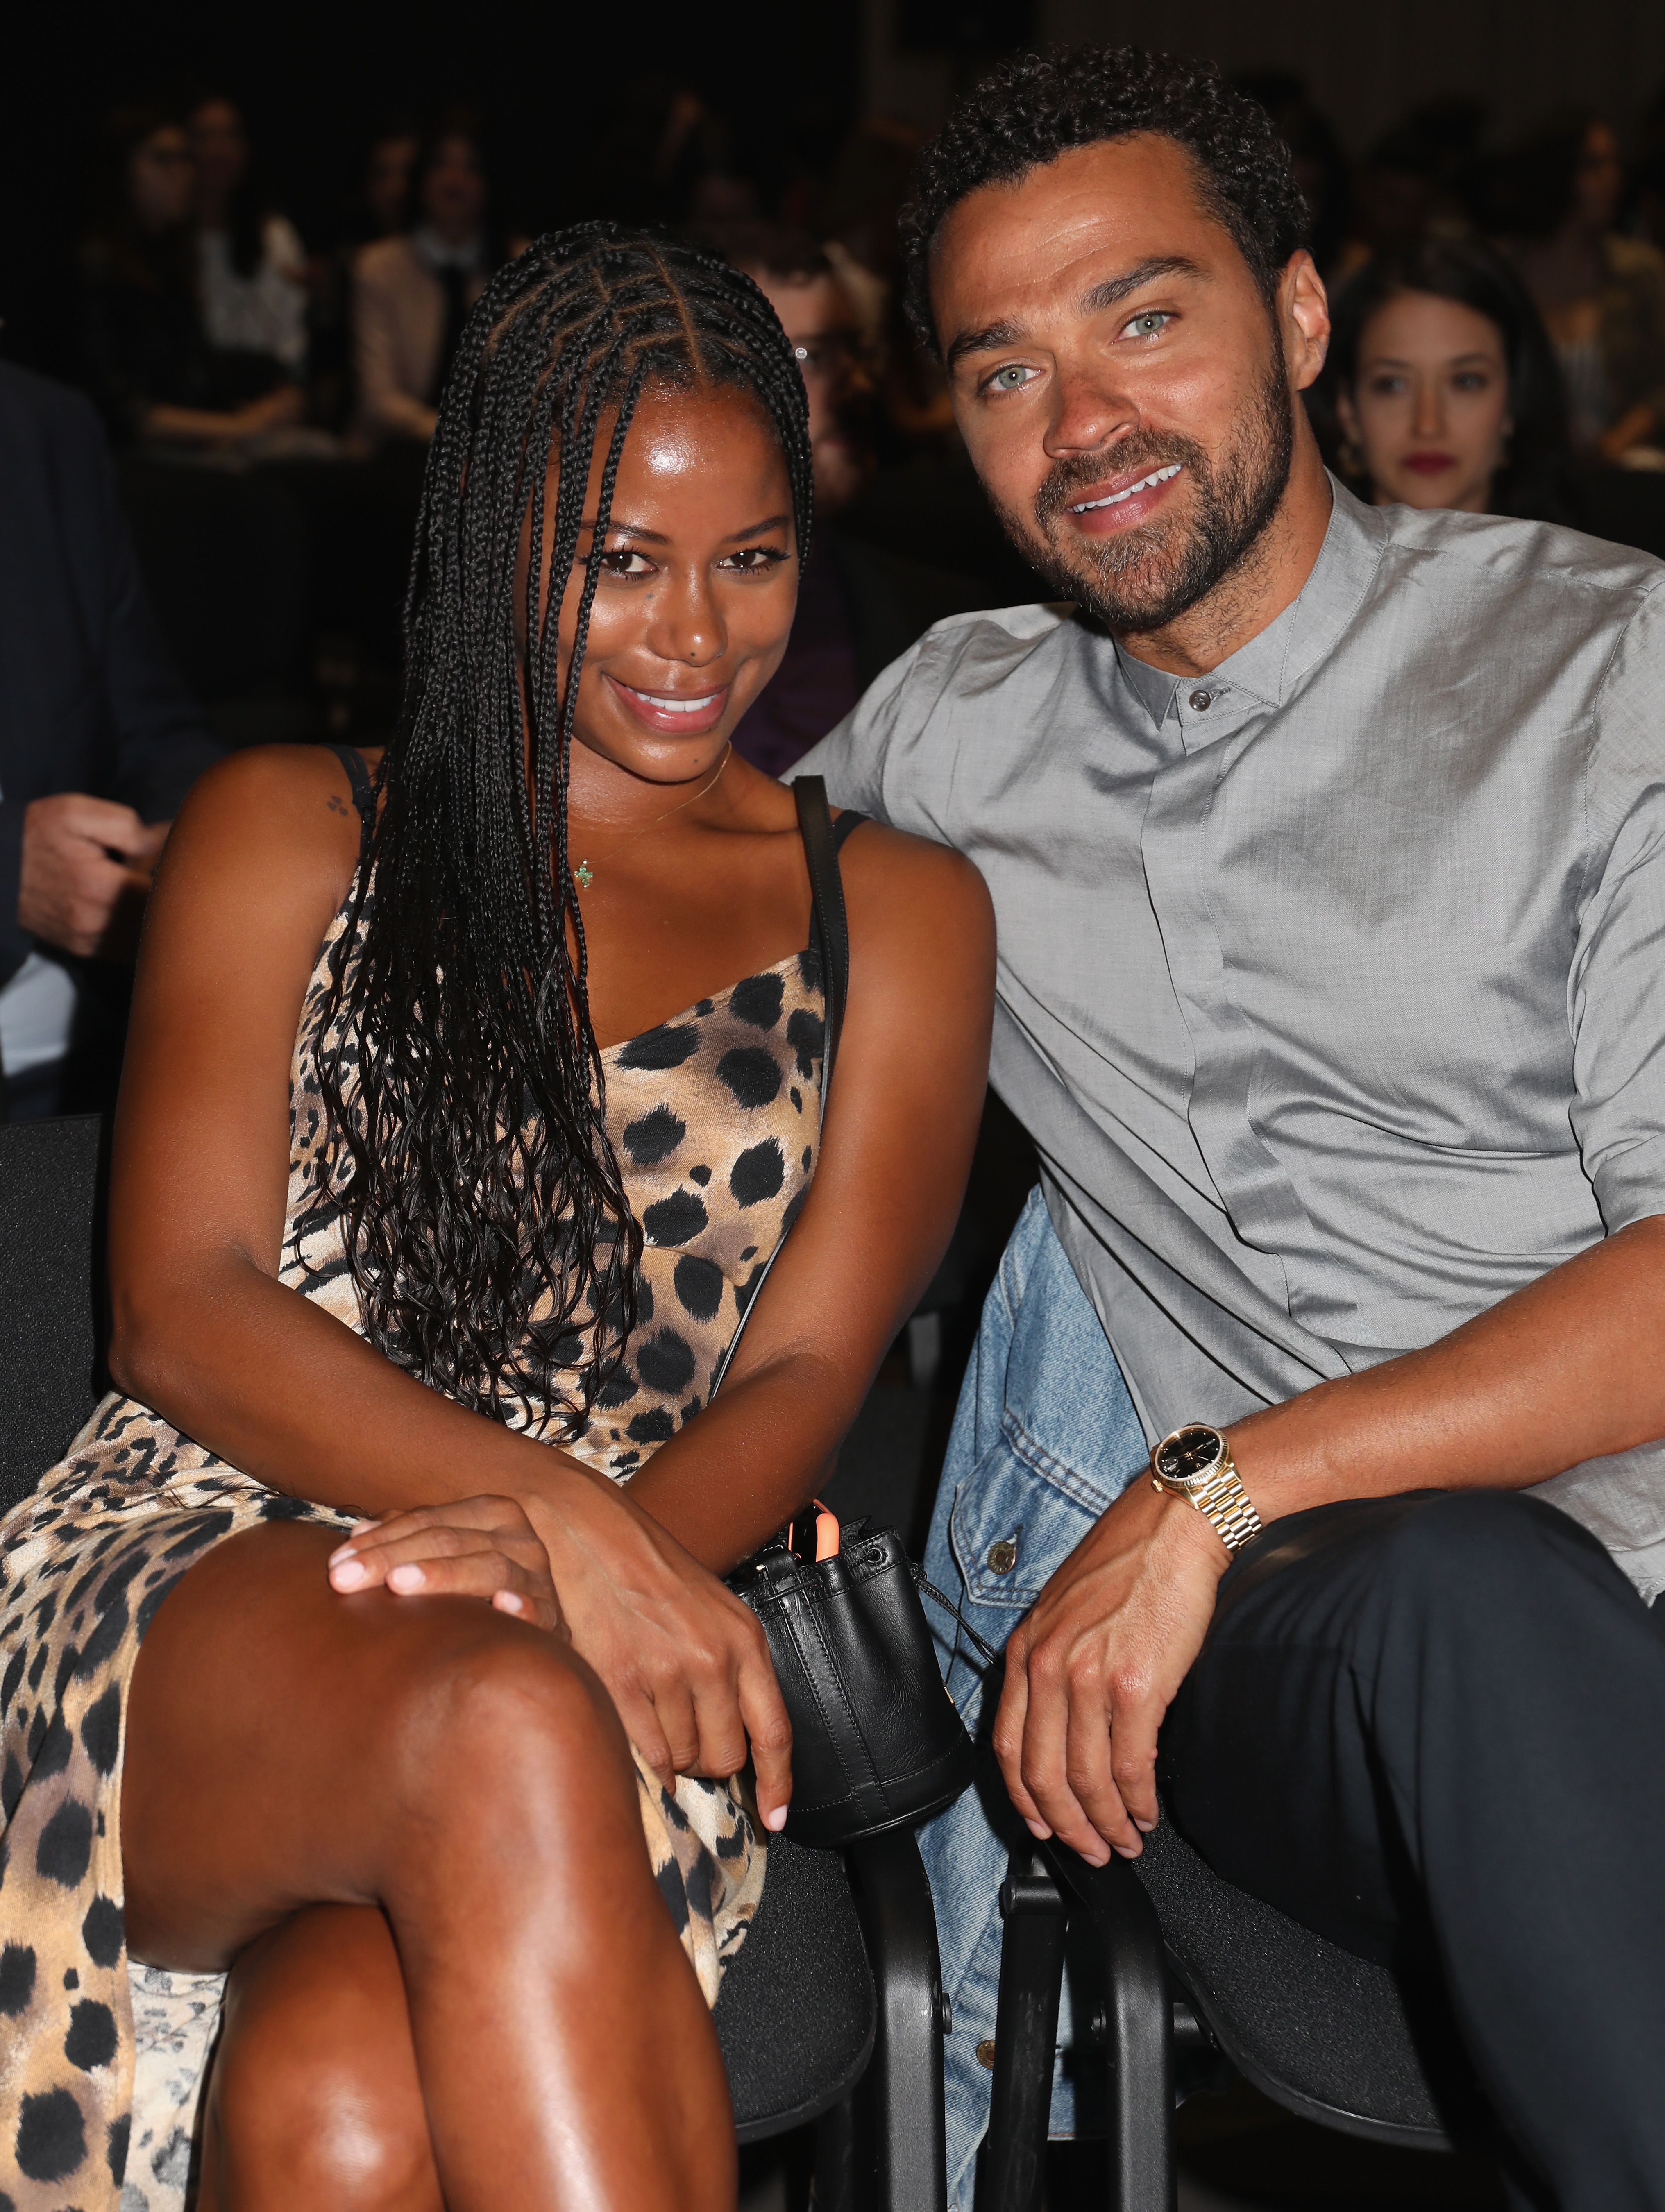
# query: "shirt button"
{"points": [[1002, 1556], [1202, 702]]}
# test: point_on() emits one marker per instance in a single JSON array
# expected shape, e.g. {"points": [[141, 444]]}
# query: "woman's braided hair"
{"points": [[487, 1226]]}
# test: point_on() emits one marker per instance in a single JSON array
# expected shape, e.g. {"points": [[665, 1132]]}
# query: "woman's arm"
{"points": [[382, 398], [901, 1121], [200, 426], [259, 860]]}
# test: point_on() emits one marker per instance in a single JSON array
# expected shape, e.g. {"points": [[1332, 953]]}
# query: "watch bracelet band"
{"points": [[1229, 1508]]}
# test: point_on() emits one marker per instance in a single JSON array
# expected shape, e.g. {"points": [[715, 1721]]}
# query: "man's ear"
{"points": [[1304, 310]]}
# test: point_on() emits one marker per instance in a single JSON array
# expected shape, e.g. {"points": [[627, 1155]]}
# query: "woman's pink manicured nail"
{"points": [[342, 1552], [509, 1602], [1038, 1828], [776, 1820], [348, 1573], [406, 1579]]}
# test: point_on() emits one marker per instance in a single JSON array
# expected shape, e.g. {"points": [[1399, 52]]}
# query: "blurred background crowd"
{"points": [[262, 296]]}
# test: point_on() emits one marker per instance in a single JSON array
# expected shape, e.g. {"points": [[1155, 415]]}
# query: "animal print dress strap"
{"points": [[364, 794], [829, 936], [829, 929]]}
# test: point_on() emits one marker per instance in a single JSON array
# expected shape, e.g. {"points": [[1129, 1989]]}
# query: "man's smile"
{"points": [[1115, 498]]}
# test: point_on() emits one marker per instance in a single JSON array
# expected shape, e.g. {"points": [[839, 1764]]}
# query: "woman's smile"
{"points": [[682, 713]]}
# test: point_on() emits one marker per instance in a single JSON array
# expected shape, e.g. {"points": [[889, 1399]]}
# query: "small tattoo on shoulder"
{"points": [[336, 804]]}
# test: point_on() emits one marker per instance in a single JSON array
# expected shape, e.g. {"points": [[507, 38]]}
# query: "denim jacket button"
{"points": [[1002, 1556]]}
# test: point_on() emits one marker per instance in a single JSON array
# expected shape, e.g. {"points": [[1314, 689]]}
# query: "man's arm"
{"points": [[162, 743], [1566, 1370], [75, 866]]}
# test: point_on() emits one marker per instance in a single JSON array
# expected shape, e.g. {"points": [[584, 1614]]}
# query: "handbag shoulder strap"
{"points": [[829, 930]]}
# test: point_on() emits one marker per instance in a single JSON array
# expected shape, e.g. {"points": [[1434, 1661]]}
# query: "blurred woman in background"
{"points": [[413, 293], [1601, 296], [1441, 388], [148, 356], [251, 265]]}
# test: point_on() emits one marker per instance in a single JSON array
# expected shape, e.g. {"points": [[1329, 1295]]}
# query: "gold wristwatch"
{"points": [[1194, 1463]]}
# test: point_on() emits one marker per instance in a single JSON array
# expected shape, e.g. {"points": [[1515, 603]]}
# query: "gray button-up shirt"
{"points": [[1332, 985]]}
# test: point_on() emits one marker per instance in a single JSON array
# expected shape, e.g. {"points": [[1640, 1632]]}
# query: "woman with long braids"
{"points": [[387, 1772]]}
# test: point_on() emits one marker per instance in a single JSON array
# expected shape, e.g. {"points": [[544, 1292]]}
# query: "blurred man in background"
{"points": [[859, 606]]}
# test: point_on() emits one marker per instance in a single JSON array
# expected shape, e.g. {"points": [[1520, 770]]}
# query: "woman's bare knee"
{"points": [[367, 1719], [315, 2098], [507, 1724]]}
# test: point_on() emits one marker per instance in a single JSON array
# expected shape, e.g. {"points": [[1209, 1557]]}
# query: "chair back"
{"points": [[52, 1183]]}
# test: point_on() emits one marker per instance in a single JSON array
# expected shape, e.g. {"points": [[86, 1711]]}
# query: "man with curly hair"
{"points": [[1313, 1420]]}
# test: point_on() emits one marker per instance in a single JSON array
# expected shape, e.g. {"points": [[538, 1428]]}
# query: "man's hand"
{"points": [[1092, 1668], [86, 874]]}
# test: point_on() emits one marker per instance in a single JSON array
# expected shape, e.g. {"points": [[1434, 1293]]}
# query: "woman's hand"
{"points": [[685, 1664], [483, 1547]]}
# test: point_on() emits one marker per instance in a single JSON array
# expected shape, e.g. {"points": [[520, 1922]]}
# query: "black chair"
{"points": [[833, 2009], [1188, 1982]]}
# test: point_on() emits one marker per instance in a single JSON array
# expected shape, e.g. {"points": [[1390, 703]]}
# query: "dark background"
{"points": [[568, 93]]}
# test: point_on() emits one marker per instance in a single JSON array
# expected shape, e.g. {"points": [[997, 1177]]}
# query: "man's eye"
{"points": [[1013, 378], [1153, 321]]}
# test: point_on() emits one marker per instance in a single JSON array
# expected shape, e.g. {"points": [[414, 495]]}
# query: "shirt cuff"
{"points": [[14, 944], [1630, 1185]]}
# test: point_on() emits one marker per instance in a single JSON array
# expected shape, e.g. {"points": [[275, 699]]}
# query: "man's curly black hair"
{"points": [[1037, 106]]}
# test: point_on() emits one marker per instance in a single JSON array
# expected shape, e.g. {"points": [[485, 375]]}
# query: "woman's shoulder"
{"points": [[911, 896], [1633, 263], [281, 814], [383, 261]]}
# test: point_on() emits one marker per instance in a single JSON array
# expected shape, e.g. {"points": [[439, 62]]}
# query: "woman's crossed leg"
{"points": [[509, 2020]]}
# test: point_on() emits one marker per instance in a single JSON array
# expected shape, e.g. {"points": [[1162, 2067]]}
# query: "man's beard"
{"points": [[1147, 577]]}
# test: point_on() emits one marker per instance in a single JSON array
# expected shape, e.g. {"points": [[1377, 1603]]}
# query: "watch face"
{"points": [[1190, 1455]]}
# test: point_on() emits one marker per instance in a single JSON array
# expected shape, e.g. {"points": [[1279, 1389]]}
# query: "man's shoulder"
{"points": [[972, 677], [1538, 570], [42, 409], [966, 653]]}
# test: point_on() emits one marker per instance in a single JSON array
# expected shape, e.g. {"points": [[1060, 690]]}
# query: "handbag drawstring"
{"points": [[929, 1589]]}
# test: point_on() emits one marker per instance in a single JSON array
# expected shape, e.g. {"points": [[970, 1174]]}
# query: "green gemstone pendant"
{"points": [[583, 875]]}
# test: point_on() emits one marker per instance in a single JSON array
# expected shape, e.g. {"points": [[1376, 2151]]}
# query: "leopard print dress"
{"points": [[715, 1117]]}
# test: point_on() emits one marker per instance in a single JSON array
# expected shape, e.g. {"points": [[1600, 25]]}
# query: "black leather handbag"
{"points": [[876, 1742]]}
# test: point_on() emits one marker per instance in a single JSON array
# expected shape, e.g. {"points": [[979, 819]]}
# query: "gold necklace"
{"points": [[584, 874]]}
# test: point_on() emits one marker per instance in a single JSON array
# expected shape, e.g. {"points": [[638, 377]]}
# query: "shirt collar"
{"points": [[433, 253], [1267, 668]]}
